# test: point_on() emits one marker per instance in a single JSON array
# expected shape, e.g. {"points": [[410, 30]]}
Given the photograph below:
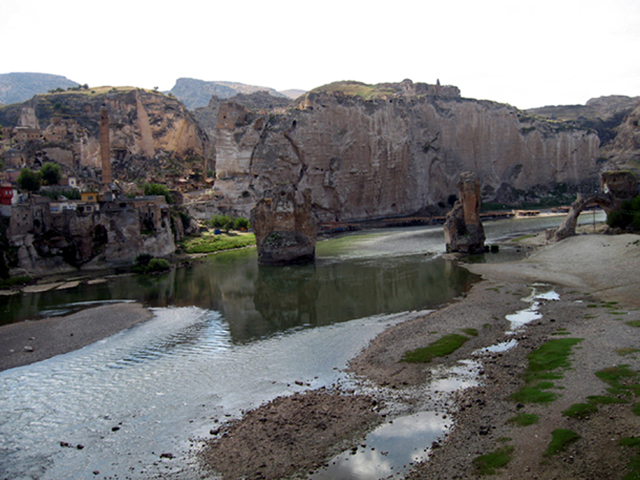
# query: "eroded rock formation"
{"points": [[393, 152], [285, 227], [463, 230]]}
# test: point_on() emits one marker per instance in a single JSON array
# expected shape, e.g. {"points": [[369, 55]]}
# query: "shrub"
{"points": [[240, 223], [157, 189], [50, 173], [29, 180], [627, 216], [158, 265]]}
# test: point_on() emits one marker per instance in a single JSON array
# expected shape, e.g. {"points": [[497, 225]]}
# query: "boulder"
{"points": [[463, 231], [285, 227]]}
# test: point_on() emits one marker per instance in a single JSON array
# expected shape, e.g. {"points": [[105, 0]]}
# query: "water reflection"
{"points": [[258, 301]]}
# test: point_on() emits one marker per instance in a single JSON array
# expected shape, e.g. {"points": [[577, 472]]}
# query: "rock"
{"points": [[28, 348], [395, 154], [285, 227], [463, 231]]}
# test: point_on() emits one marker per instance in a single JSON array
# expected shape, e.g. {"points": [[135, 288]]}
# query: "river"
{"points": [[226, 336]]}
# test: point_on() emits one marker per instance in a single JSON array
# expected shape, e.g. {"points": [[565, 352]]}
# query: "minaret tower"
{"points": [[105, 150]]}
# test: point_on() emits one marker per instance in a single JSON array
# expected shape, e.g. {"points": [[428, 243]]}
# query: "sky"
{"points": [[524, 53]]}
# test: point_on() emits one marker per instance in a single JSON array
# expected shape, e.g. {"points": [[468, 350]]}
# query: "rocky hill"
{"points": [[197, 93], [19, 87], [153, 137], [369, 151], [604, 114]]}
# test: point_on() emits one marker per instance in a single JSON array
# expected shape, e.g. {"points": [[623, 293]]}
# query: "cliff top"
{"points": [[405, 88]]}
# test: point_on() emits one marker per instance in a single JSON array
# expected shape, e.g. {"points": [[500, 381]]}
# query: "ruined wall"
{"points": [[114, 235], [393, 156]]}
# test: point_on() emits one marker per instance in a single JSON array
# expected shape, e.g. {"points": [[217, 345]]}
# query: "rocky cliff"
{"points": [[153, 136], [394, 149]]}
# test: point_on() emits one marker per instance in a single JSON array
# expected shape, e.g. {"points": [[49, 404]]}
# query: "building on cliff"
{"points": [[56, 236]]}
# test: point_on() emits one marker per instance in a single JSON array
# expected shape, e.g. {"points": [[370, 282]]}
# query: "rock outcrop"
{"points": [[153, 137], [463, 231], [285, 227], [394, 150]]}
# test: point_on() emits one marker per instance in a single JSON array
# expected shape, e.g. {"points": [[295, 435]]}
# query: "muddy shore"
{"points": [[588, 273], [28, 342]]}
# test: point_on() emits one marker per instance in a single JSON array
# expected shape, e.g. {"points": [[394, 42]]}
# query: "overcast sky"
{"points": [[525, 53]]}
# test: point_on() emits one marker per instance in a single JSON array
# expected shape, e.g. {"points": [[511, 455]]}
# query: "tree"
{"points": [[50, 173], [29, 180], [157, 189]]}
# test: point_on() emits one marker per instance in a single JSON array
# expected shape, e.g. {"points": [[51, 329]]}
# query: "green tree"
{"points": [[157, 189], [29, 180], [51, 173]]}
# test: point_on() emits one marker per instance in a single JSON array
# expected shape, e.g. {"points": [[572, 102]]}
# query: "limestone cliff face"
{"points": [[150, 133], [624, 150], [395, 154]]}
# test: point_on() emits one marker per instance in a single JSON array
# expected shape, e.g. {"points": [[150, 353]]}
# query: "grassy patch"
{"points": [[580, 411], [544, 364], [604, 400], [636, 409], [551, 356], [627, 351], [440, 348], [535, 393], [560, 438], [633, 465], [489, 463], [634, 323], [209, 243], [472, 332], [524, 419], [621, 379]]}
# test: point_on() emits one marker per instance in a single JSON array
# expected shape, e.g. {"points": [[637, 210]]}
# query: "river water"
{"points": [[226, 336]]}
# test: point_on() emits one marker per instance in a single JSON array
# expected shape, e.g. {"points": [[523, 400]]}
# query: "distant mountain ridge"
{"points": [[19, 87], [196, 93]]}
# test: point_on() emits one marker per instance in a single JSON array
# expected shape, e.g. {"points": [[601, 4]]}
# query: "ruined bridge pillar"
{"points": [[463, 230], [285, 227]]}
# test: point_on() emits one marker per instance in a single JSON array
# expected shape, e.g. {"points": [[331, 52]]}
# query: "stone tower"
{"points": [[105, 150]]}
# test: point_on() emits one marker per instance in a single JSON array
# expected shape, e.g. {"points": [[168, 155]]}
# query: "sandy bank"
{"points": [[27, 342], [605, 265]]}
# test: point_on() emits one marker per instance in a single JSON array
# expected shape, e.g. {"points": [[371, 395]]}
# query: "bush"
{"points": [[158, 265], [50, 173], [29, 180], [240, 223], [627, 216], [157, 189], [223, 222]]}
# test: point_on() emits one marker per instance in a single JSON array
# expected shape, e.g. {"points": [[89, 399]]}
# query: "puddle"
{"points": [[528, 315], [390, 450], [394, 447], [498, 348]]}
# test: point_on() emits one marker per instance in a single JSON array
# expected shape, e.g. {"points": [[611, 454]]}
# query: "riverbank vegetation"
{"points": [[210, 242]]}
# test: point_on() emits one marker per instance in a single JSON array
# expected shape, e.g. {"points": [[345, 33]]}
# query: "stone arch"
{"points": [[568, 227]]}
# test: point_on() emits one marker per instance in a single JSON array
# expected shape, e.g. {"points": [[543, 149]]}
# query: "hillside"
{"points": [[602, 114], [197, 93], [153, 137], [20, 87]]}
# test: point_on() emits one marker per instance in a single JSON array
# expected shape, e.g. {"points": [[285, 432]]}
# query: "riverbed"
{"points": [[226, 336]]}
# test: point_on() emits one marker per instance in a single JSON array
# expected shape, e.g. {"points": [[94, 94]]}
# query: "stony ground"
{"points": [[286, 430]]}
